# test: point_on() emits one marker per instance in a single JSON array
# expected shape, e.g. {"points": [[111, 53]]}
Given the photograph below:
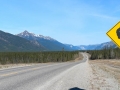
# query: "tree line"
{"points": [[37, 57], [106, 53]]}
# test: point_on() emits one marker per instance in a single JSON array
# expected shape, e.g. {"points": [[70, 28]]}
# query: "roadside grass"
{"points": [[111, 66], [15, 65], [80, 57]]}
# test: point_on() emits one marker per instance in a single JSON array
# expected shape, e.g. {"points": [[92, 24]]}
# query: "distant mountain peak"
{"points": [[28, 34], [26, 31], [47, 42]]}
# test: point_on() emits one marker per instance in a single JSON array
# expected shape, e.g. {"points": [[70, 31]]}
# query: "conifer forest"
{"points": [[37, 57], [106, 53]]}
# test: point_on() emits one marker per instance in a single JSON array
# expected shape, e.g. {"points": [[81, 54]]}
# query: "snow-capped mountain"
{"points": [[74, 47], [46, 41], [10, 43], [28, 35]]}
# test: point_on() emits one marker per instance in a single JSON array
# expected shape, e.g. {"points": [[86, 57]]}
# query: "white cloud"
{"points": [[104, 16]]}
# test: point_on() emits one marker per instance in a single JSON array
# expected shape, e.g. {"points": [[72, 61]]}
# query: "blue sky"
{"points": [[77, 22]]}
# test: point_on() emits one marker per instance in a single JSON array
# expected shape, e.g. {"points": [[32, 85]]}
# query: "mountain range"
{"points": [[49, 43], [93, 47], [26, 41], [9, 42], [52, 44]]}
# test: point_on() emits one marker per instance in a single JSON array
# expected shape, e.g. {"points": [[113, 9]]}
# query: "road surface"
{"points": [[31, 77]]}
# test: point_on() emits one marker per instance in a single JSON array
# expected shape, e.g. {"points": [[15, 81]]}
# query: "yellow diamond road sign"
{"points": [[114, 34]]}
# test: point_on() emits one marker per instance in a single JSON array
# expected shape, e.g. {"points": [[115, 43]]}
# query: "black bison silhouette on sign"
{"points": [[118, 33]]}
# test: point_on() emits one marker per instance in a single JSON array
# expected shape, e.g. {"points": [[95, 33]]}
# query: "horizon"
{"points": [[55, 39], [61, 42], [66, 21]]}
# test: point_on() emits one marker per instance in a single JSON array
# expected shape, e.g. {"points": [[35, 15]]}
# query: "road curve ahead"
{"points": [[30, 77]]}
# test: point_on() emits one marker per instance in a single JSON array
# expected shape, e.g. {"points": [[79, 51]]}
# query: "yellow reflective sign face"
{"points": [[114, 34]]}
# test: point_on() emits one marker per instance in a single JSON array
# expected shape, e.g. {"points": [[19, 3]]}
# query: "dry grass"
{"points": [[110, 62], [14, 65], [80, 57], [111, 66]]}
